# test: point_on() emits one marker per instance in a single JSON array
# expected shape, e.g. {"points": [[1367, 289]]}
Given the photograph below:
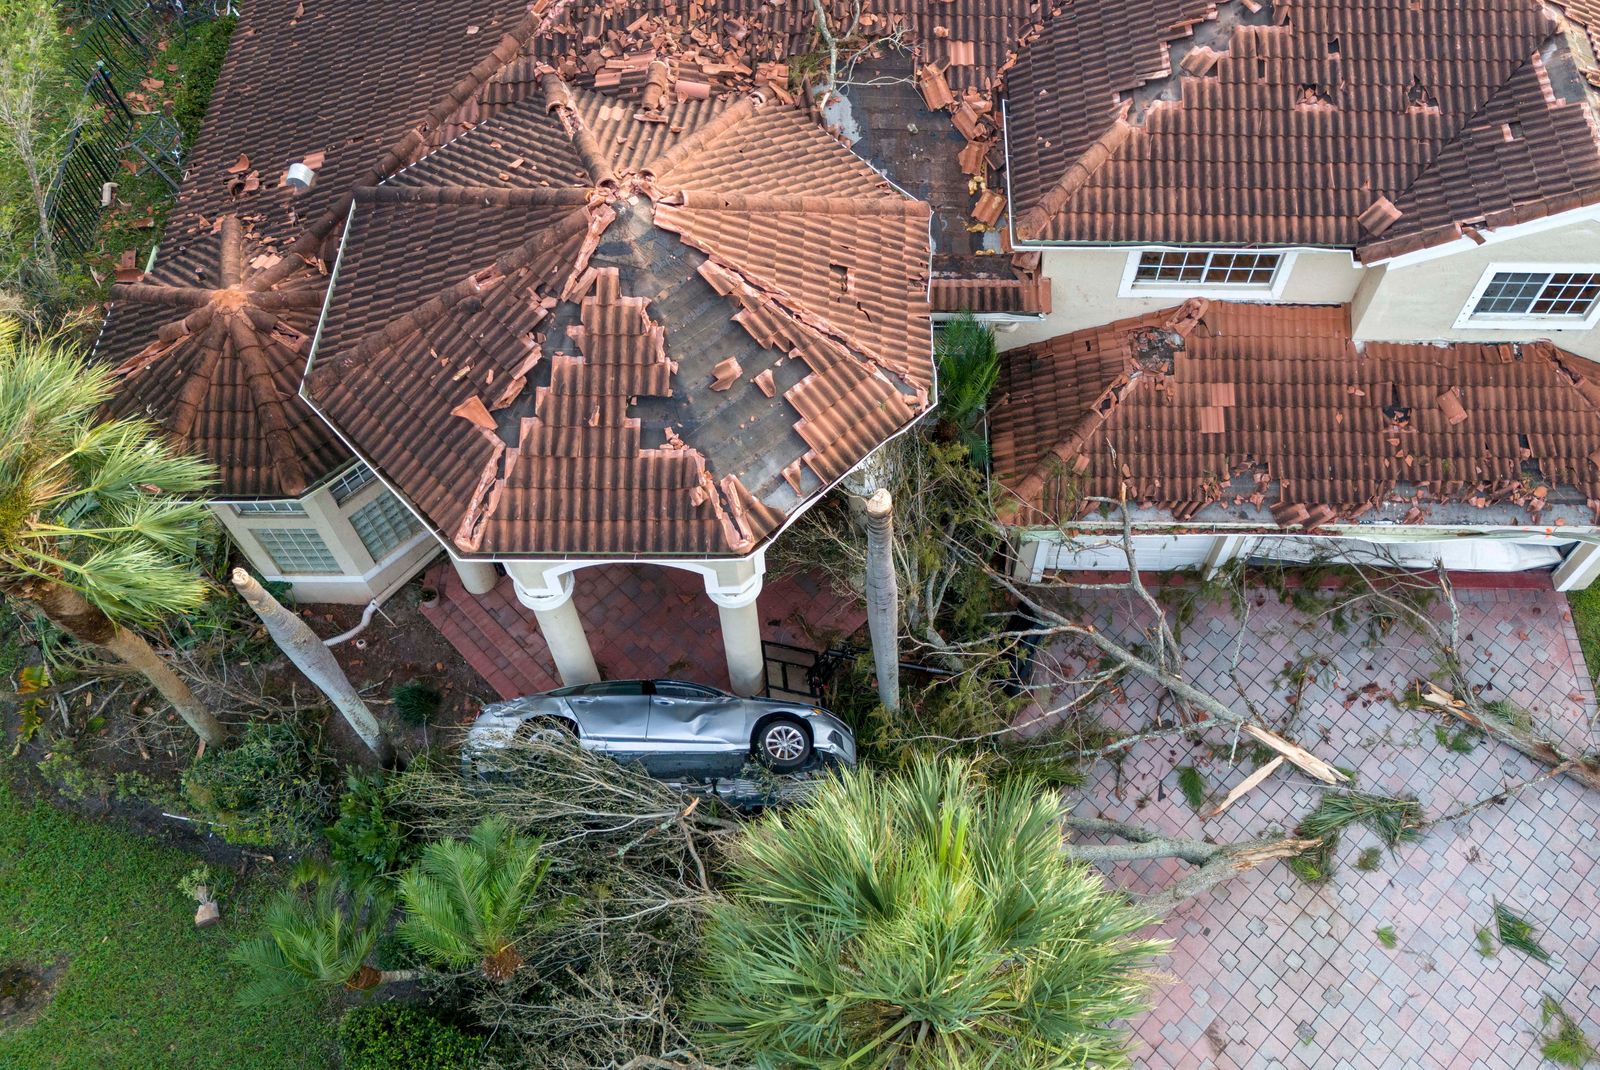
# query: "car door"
{"points": [[613, 715], [693, 730]]}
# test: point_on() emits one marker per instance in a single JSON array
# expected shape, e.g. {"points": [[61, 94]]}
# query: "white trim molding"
{"points": [[1470, 320], [1131, 287], [1585, 214]]}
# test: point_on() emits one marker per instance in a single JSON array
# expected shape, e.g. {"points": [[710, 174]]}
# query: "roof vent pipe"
{"points": [[299, 177]]}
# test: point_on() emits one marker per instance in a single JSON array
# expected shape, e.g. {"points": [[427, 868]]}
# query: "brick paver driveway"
{"points": [[1273, 972]]}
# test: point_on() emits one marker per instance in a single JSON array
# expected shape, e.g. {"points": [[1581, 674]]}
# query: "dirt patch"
{"points": [[25, 991]]}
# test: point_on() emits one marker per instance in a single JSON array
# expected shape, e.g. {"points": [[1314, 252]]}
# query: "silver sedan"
{"points": [[672, 727]]}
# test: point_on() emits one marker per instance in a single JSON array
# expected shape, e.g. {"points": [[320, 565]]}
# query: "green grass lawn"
{"points": [[143, 988], [1586, 619]]}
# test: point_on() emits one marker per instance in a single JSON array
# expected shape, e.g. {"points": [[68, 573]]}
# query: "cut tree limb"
{"points": [[1297, 754], [1245, 785], [1583, 768]]}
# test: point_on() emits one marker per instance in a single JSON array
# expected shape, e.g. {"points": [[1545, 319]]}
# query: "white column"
{"points": [[478, 577], [735, 586], [1224, 548], [1580, 569], [559, 622]]}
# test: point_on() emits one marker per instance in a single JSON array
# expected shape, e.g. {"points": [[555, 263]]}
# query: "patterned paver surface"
{"points": [[642, 621], [1272, 972]]}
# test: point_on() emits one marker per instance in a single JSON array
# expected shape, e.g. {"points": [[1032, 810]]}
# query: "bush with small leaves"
{"points": [[366, 841], [269, 788], [388, 1036]]}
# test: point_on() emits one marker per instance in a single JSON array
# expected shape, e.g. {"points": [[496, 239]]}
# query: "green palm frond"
{"points": [[318, 935], [104, 506], [467, 900], [929, 920]]}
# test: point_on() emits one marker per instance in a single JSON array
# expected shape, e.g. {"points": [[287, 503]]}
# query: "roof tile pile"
{"points": [[1192, 122], [1184, 406], [660, 354]]}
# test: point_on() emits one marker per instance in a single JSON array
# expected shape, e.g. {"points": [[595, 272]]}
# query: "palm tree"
{"points": [[919, 921], [467, 900], [969, 366], [319, 935], [883, 596], [96, 516]]}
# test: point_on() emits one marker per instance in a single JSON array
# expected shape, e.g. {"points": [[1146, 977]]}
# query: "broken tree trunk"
{"points": [[883, 596], [312, 657], [1583, 768], [1214, 862]]}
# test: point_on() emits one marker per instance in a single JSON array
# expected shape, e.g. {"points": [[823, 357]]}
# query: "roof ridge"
{"points": [[503, 196], [1077, 175], [558, 99], [1492, 97], [710, 201], [670, 158], [1182, 320]]}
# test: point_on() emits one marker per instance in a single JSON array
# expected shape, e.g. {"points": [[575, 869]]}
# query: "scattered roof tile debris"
{"points": [[610, 316], [1273, 406]]}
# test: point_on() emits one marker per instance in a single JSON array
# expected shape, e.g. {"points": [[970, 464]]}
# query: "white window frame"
{"points": [[1468, 320], [1131, 287]]}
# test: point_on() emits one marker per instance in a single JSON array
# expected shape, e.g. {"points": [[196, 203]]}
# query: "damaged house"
{"points": [[542, 286]]}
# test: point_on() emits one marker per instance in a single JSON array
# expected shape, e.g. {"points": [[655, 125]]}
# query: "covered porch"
{"points": [[636, 620]]}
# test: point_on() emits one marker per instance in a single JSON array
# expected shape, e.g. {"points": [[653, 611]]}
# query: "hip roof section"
{"points": [[590, 328]]}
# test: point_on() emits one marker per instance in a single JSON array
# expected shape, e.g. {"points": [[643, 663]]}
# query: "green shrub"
{"points": [[387, 1036], [69, 776], [141, 787], [198, 67], [365, 842], [415, 702], [267, 789]]}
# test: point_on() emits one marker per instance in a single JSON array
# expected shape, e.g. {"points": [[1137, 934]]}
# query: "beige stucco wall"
{"points": [[361, 579], [1084, 284], [1421, 302]]}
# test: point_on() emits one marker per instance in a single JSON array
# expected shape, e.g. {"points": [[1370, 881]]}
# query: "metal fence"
{"points": [[114, 43]]}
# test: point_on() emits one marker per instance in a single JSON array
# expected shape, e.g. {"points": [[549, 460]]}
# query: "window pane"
{"points": [[297, 550], [1202, 267], [1510, 293], [1563, 294], [616, 687], [675, 689], [269, 508], [351, 481], [383, 524]]}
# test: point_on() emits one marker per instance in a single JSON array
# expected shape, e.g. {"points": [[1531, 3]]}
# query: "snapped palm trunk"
{"points": [[87, 623], [883, 596], [312, 657]]}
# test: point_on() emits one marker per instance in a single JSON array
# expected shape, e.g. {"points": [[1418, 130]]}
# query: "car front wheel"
{"points": [[783, 744]]}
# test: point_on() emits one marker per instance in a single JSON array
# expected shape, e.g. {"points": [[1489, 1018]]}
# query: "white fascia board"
{"points": [[1588, 213]]}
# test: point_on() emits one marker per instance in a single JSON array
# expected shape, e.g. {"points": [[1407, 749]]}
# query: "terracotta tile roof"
{"points": [[1187, 121], [1273, 409], [216, 357], [645, 349]]}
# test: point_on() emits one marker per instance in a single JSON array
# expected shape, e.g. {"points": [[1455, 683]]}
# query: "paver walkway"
{"points": [[644, 621], [1273, 972]]}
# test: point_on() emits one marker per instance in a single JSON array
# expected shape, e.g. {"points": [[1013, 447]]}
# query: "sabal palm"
{"points": [[466, 901], [920, 921], [96, 516], [318, 936]]}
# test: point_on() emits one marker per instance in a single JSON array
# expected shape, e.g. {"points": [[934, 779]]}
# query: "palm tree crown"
{"points": [[926, 920], [318, 936], [95, 505], [466, 900]]}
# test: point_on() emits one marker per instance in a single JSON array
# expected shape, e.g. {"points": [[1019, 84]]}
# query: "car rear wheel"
{"points": [[782, 743]]}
